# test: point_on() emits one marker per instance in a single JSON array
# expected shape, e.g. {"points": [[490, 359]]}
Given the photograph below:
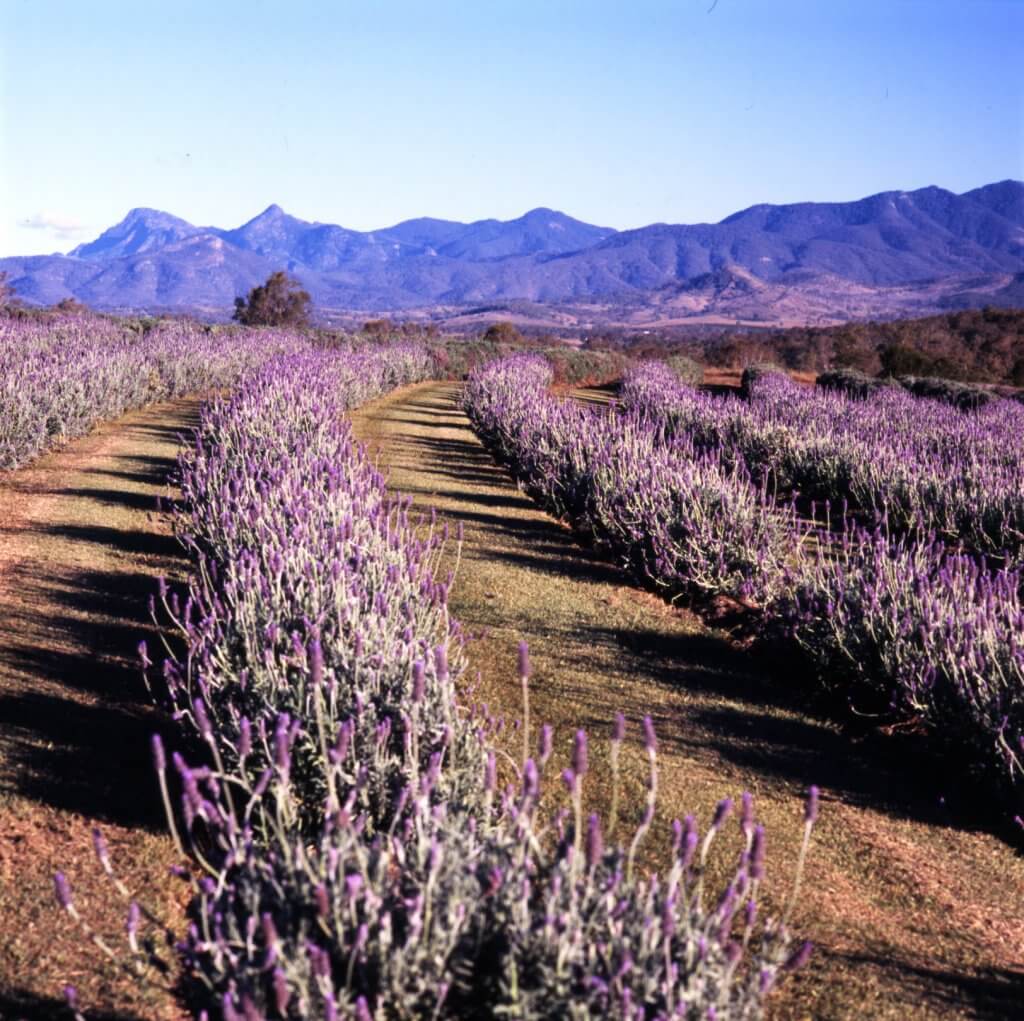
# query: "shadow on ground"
{"points": [[20, 1005], [77, 715]]}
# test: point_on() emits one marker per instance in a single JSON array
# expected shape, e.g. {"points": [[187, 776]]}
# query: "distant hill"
{"points": [[887, 253]]}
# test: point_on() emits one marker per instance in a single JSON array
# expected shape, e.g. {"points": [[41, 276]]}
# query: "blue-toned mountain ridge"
{"points": [[891, 240]]}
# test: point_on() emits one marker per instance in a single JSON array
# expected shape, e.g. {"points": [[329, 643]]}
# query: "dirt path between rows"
{"points": [[80, 545], [913, 917]]}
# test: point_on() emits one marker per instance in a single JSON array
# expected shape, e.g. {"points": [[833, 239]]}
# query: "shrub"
{"points": [[964, 396], [686, 369], [502, 333], [852, 383], [753, 374], [356, 856]]}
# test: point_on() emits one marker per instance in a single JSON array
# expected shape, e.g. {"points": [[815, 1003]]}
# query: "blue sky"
{"points": [[620, 113]]}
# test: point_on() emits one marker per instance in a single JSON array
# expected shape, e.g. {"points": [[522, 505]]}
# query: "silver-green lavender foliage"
{"points": [[894, 612], [921, 467], [60, 376], [316, 595], [931, 633], [676, 517]]}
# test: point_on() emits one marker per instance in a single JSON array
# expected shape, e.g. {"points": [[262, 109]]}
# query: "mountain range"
{"points": [[885, 253]]}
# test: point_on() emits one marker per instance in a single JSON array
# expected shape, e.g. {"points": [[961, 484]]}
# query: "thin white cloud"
{"points": [[63, 228]]}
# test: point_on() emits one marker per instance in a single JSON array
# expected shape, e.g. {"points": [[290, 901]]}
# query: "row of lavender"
{"points": [[62, 375], [904, 624], [359, 856], [923, 467]]}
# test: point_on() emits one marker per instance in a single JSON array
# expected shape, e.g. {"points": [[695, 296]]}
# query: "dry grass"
{"points": [[913, 917]]}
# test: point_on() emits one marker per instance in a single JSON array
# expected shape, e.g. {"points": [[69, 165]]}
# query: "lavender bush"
{"points": [[316, 598], [928, 632], [920, 466], [675, 516], [60, 376], [450, 914]]}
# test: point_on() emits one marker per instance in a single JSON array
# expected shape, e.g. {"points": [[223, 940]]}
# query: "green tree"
{"points": [[280, 301]]}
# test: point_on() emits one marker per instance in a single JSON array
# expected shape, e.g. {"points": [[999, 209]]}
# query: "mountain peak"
{"points": [[142, 229], [894, 238]]}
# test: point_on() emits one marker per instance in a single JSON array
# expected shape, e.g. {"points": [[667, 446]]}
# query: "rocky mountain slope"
{"points": [[919, 249]]}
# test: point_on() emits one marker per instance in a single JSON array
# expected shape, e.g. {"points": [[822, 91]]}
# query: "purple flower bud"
{"points": [[545, 742], [71, 996], [159, 759], [131, 925], [202, 720], [650, 742], [441, 663], [747, 814], [362, 1009], [619, 727], [579, 754], [799, 957], [62, 889], [144, 655], [811, 807], [531, 779], [722, 812], [316, 663], [569, 779], [99, 845], [757, 854], [524, 660], [418, 681]]}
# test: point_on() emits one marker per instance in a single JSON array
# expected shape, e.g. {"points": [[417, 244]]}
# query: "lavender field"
{"points": [[359, 837], [355, 847], [882, 536]]}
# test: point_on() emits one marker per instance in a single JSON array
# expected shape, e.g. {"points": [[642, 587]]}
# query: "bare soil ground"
{"points": [[914, 916], [80, 545]]}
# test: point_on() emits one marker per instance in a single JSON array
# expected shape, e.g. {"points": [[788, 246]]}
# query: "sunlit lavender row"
{"points": [[359, 853], [904, 626], [62, 375], [921, 466]]}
